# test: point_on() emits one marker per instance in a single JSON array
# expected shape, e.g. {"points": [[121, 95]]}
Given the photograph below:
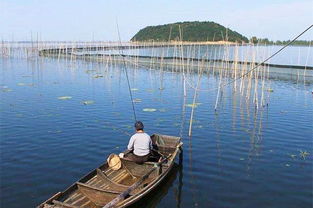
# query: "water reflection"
{"points": [[228, 145], [156, 196]]}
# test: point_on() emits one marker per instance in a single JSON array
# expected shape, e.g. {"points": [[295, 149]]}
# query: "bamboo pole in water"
{"points": [[194, 100]]}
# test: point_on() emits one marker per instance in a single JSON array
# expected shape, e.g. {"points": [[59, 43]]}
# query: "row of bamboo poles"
{"points": [[193, 60]]}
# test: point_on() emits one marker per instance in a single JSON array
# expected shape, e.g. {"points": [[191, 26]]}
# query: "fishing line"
{"points": [[125, 69], [263, 62]]}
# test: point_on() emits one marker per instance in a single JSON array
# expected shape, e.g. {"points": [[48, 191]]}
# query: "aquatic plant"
{"points": [[137, 100], [303, 154], [149, 109], [193, 105], [88, 102], [98, 76], [64, 97]]}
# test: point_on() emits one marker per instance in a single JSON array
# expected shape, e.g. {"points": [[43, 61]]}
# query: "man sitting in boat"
{"points": [[140, 144]]}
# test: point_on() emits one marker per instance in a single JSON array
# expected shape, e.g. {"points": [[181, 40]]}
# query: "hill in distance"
{"points": [[191, 31]]}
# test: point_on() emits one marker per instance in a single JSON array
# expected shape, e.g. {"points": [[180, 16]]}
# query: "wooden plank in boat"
{"points": [[98, 196], [112, 184], [98, 189], [65, 205]]}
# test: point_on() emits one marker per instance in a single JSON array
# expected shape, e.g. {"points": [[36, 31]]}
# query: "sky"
{"points": [[86, 20]]}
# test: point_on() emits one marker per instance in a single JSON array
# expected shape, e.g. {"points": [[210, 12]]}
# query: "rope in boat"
{"points": [[126, 73]]}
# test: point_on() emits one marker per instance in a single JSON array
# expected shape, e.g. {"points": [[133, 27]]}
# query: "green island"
{"points": [[189, 31], [205, 32]]}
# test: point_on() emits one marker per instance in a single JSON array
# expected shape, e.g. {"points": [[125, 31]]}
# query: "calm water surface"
{"points": [[236, 157], [292, 55]]}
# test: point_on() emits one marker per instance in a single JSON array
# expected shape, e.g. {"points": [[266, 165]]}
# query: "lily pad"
{"points": [[137, 100], [7, 90], [98, 76], [176, 124], [25, 84], [88, 102], [293, 156], [303, 154], [64, 97], [193, 105], [90, 71], [149, 109]]}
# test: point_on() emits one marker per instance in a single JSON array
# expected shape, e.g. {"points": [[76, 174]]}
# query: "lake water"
{"points": [[237, 156], [292, 55]]}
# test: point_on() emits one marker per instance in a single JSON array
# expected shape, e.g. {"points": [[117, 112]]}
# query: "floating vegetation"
{"points": [[88, 102], [64, 97], [55, 132], [270, 90], [195, 105], [24, 84], [7, 90], [176, 124], [149, 110], [137, 100], [303, 154], [134, 89], [98, 76], [90, 71]]}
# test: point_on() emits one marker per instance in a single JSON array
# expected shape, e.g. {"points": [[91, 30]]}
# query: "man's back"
{"points": [[140, 143]]}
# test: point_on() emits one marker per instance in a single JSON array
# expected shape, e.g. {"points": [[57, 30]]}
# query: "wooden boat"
{"points": [[105, 187]]}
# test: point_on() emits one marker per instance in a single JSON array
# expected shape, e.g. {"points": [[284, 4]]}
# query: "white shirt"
{"points": [[140, 143]]}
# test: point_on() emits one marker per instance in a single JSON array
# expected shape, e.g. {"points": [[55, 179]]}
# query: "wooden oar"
{"points": [[123, 195]]}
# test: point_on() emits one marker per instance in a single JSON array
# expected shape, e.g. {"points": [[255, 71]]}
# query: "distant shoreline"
{"points": [[212, 43], [150, 43]]}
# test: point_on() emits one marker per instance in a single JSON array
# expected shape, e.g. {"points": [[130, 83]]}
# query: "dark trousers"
{"points": [[137, 159]]}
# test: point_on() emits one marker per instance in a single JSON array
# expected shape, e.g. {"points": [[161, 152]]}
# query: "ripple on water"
{"points": [[236, 157]]}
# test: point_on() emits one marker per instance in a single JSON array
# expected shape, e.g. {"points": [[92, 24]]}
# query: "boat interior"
{"points": [[103, 184]]}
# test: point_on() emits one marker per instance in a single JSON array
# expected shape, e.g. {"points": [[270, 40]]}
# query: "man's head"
{"points": [[139, 126]]}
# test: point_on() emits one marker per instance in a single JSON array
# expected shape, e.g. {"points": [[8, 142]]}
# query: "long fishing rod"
{"points": [[125, 69]]}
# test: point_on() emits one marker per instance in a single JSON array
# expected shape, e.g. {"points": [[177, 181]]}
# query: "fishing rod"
{"points": [[120, 48]]}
